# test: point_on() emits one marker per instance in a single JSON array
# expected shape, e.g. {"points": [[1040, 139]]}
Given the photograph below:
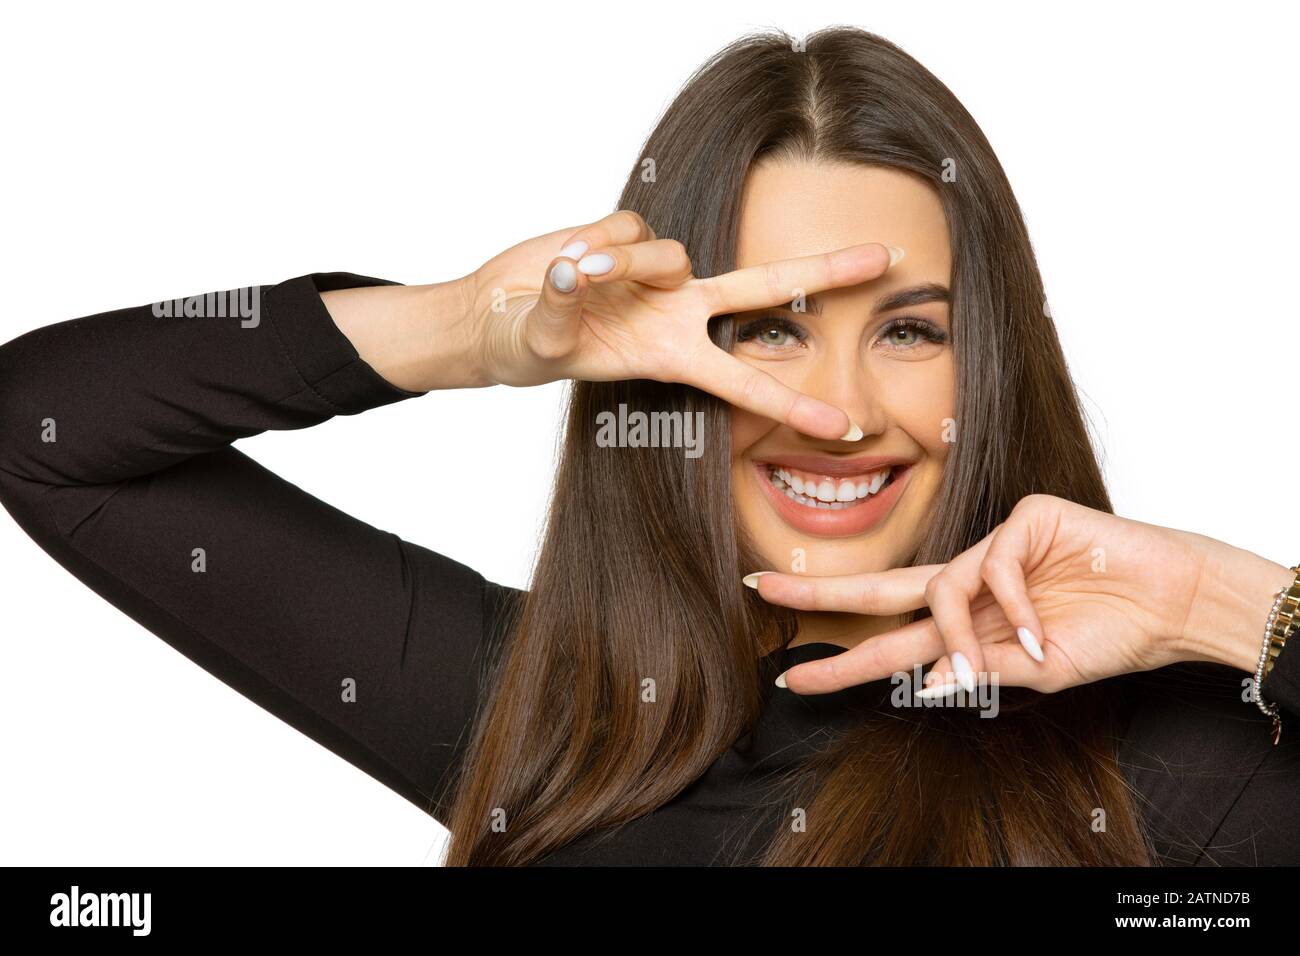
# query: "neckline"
{"points": [[809, 650], [835, 705]]}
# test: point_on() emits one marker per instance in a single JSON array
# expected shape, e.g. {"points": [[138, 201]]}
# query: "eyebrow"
{"points": [[902, 299]]}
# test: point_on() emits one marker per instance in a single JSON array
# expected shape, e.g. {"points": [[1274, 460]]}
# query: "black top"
{"points": [[298, 597]]}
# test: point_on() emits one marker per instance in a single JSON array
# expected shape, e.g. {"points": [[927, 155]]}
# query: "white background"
{"points": [[154, 150]]}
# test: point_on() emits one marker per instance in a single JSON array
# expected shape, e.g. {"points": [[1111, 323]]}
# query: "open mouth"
{"points": [[825, 493], [833, 497]]}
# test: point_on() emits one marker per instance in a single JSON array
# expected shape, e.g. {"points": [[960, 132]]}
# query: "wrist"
{"points": [[451, 336], [417, 337], [1235, 590]]}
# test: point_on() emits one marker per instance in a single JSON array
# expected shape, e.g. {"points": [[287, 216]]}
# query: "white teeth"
{"points": [[828, 495]]}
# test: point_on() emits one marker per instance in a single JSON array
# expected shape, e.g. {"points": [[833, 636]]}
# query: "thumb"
{"points": [[552, 325]]}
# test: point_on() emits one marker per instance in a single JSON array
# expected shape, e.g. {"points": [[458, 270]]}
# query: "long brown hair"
{"points": [[637, 587]]}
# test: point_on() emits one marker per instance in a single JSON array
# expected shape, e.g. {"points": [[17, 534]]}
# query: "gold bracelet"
{"points": [[1282, 622]]}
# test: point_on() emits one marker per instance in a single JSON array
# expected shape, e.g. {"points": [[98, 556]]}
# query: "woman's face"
{"points": [[886, 361]]}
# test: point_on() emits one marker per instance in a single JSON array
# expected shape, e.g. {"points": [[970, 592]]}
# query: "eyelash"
{"points": [[926, 329]]}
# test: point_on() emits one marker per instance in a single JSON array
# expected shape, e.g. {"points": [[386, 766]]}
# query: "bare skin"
{"points": [[895, 384], [849, 379]]}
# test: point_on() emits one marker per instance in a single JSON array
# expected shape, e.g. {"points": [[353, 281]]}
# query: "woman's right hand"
{"points": [[610, 301]]}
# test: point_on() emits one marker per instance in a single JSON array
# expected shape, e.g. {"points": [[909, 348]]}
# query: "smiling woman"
{"points": [[830, 282], [880, 350]]}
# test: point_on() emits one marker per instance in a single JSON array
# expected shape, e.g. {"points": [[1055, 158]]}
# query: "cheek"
{"points": [[921, 400], [746, 429]]}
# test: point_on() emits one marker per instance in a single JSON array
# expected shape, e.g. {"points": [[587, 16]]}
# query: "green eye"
{"points": [[772, 332], [772, 335]]}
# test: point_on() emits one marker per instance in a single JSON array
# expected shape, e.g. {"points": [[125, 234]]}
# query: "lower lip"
{"points": [[856, 519]]}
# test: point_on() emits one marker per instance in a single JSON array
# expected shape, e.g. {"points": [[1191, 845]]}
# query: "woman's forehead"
{"points": [[801, 208]]}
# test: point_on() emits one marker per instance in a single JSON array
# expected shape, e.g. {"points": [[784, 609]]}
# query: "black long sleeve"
{"points": [[116, 457]]}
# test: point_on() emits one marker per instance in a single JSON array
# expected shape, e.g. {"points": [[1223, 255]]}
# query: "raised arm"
{"points": [[115, 457]]}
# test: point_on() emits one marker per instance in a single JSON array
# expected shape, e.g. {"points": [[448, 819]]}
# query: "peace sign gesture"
{"points": [[1056, 596], [611, 301]]}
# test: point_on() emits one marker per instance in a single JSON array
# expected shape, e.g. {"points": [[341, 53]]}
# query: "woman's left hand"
{"points": [[1057, 595]]}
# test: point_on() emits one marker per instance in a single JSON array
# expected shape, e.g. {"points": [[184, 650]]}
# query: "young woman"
{"points": [[819, 274]]}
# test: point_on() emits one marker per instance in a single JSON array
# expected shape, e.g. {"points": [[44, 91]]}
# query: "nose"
{"points": [[841, 377]]}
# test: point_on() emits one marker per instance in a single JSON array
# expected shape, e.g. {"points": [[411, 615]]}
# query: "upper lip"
{"points": [[835, 467]]}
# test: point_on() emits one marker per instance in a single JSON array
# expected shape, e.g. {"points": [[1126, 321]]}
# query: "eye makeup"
{"points": [[777, 332]]}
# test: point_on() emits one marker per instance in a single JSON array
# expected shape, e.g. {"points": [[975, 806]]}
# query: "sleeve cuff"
{"points": [[320, 352]]}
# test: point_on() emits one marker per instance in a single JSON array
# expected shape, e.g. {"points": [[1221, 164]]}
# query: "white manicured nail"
{"points": [[938, 690], [780, 680], [1030, 643], [596, 265], [751, 581], [574, 250], [564, 277], [895, 254], [965, 673], [853, 434]]}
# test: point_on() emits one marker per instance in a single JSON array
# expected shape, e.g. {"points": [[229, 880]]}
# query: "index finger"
{"points": [[904, 649], [776, 283], [722, 374], [877, 592]]}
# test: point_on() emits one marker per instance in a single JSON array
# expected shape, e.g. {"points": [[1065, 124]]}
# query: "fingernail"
{"points": [[564, 277], [596, 265], [574, 250], [780, 680], [895, 254], [853, 434], [1030, 643], [965, 673], [938, 690], [751, 581]]}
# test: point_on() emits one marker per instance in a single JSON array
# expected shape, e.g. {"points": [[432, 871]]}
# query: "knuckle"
{"points": [[630, 219], [868, 596], [772, 282], [678, 254], [1033, 503], [549, 348], [750, 389], [994, 566], [934, 589]]}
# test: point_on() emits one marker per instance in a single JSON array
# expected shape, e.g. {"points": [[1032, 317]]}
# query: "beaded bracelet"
{"points": [[1282, 622]]}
